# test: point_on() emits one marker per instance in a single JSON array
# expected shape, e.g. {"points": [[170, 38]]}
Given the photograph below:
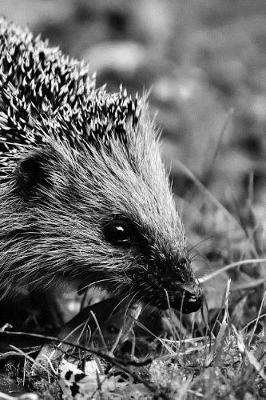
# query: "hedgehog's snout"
{"points": [[173, 287], [185, 297], [188, 299], [183, 290]]}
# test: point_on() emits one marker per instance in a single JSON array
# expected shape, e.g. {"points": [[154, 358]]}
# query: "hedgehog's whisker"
{"points": [[82, 288], [131, 301], [200, 242]]}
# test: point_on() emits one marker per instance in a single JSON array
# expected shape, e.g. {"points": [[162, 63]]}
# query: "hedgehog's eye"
{"points": [[119, 233]]}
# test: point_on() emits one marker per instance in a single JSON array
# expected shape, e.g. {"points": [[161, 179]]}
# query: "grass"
{"points": [[227, 363]]}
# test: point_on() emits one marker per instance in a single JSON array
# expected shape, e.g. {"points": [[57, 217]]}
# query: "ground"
{"points": [[204, 65]]}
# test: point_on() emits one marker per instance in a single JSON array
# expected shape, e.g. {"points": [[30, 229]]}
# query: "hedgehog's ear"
{"points": [[30, 173]]}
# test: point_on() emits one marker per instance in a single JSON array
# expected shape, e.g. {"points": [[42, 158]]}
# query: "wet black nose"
{"points": [[186, 298], [191, 299]]}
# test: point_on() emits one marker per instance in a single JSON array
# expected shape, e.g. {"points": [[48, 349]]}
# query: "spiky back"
{"points": [[45, 93]]}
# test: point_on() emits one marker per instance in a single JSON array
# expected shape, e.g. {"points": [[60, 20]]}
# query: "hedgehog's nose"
{"points": [[191, 298]]}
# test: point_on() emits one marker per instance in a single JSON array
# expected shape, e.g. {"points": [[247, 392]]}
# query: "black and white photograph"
{"points": [[132, 199]]}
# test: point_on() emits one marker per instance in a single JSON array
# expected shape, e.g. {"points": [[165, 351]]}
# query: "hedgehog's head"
{"points": [[103, 214]]}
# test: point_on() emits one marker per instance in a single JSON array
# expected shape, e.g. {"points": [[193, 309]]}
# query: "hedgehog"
{"points": [[85, 196]]}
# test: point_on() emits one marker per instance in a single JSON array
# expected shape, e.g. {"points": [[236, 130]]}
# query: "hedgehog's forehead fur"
{"points": [[116, 181], [99, 156]]}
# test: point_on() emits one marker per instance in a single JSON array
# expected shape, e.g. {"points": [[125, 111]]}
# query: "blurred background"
{"points": [[204, 65]]}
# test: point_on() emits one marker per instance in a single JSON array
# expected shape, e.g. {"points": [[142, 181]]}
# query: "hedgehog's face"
{"points": [[104, 219], [141, 228]]}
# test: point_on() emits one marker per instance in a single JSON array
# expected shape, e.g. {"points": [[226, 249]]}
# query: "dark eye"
{"points": [[119, 233]]}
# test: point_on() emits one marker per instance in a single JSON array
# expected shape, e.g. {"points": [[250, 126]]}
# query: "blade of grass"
{"points": [[257, 320], [230, 266]]}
